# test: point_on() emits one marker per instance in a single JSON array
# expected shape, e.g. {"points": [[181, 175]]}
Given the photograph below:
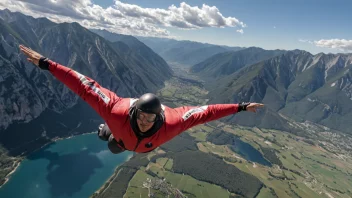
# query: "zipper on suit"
{"points": [[139, 141]]}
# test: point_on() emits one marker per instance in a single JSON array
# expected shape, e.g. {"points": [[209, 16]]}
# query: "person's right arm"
{"points": [[99, 98]]}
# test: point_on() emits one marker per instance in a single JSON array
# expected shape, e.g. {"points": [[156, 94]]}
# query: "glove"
{"points": [[104, 132], [243, 106], [43, 63], [114, 146]]}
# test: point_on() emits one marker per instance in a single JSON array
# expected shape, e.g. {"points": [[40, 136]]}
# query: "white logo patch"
{"points": [[190, 112], [85, 81]]}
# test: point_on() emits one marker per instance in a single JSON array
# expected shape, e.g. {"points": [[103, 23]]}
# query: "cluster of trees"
{"points": [[323, 163], [295, 156], [231, 159], [181, 143], [273, 140], [294, 171], [294, 193], [208, 168], [29, 147], [270, 154], [220, 137], [308, 141], [137, 161], [118, 183], [337, 190], [277, 176], [273, 193], [6, 164]]}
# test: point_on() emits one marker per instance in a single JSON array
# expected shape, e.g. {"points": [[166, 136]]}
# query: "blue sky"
{"points": [[271, 24], [312, 25]]}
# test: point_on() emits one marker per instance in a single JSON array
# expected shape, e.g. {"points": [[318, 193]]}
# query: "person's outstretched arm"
{"points": [[194, 115], [99, 98], [190, 116]]}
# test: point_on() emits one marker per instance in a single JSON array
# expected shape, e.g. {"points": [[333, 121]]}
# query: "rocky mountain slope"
{"points": [[224, 64], [296, 84], [27, 93]]}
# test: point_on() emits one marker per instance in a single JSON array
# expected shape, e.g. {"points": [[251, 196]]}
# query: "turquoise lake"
{"points": [[74, 167], [78, 166]]}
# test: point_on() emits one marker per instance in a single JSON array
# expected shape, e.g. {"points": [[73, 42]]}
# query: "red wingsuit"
{"points": [[114, 110]]}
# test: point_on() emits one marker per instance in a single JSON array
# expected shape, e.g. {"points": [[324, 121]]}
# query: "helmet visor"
{"points": [[146, 116]]}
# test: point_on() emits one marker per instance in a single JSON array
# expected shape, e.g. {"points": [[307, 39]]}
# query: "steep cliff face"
{"points": [[224, 64], [295, 84], [27, 92]]}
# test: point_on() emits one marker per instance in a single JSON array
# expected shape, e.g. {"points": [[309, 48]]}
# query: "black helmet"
{"points": [[149, 103]]}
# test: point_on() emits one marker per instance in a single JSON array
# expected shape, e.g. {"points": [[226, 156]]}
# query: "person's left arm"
{"points": [[183, 118], [190, 116]]}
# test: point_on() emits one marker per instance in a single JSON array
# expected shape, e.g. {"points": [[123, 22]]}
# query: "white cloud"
{"points": [[240, 31], [305, 41], [340, 44], [123, 17]]}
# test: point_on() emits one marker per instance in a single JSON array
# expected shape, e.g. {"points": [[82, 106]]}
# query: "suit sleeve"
{"points": [[191, 116], [100, 99]]}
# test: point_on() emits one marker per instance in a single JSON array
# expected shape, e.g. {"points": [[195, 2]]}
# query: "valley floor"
{"points": [[302, 167]]}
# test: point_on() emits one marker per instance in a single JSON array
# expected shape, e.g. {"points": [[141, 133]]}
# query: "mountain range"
{"points": [[296, 84], [226, 63], [126, 67], [185, 53]]}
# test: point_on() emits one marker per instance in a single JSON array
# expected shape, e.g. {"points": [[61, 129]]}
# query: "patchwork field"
{"points": [[301, 167]]}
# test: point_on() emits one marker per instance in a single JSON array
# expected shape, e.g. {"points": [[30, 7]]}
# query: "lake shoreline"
{"points": [[8, 176], [102, 188], [84, 163], [17, 163]]}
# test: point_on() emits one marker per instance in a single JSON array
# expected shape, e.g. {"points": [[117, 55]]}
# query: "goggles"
{"points": [[147, 116]]}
